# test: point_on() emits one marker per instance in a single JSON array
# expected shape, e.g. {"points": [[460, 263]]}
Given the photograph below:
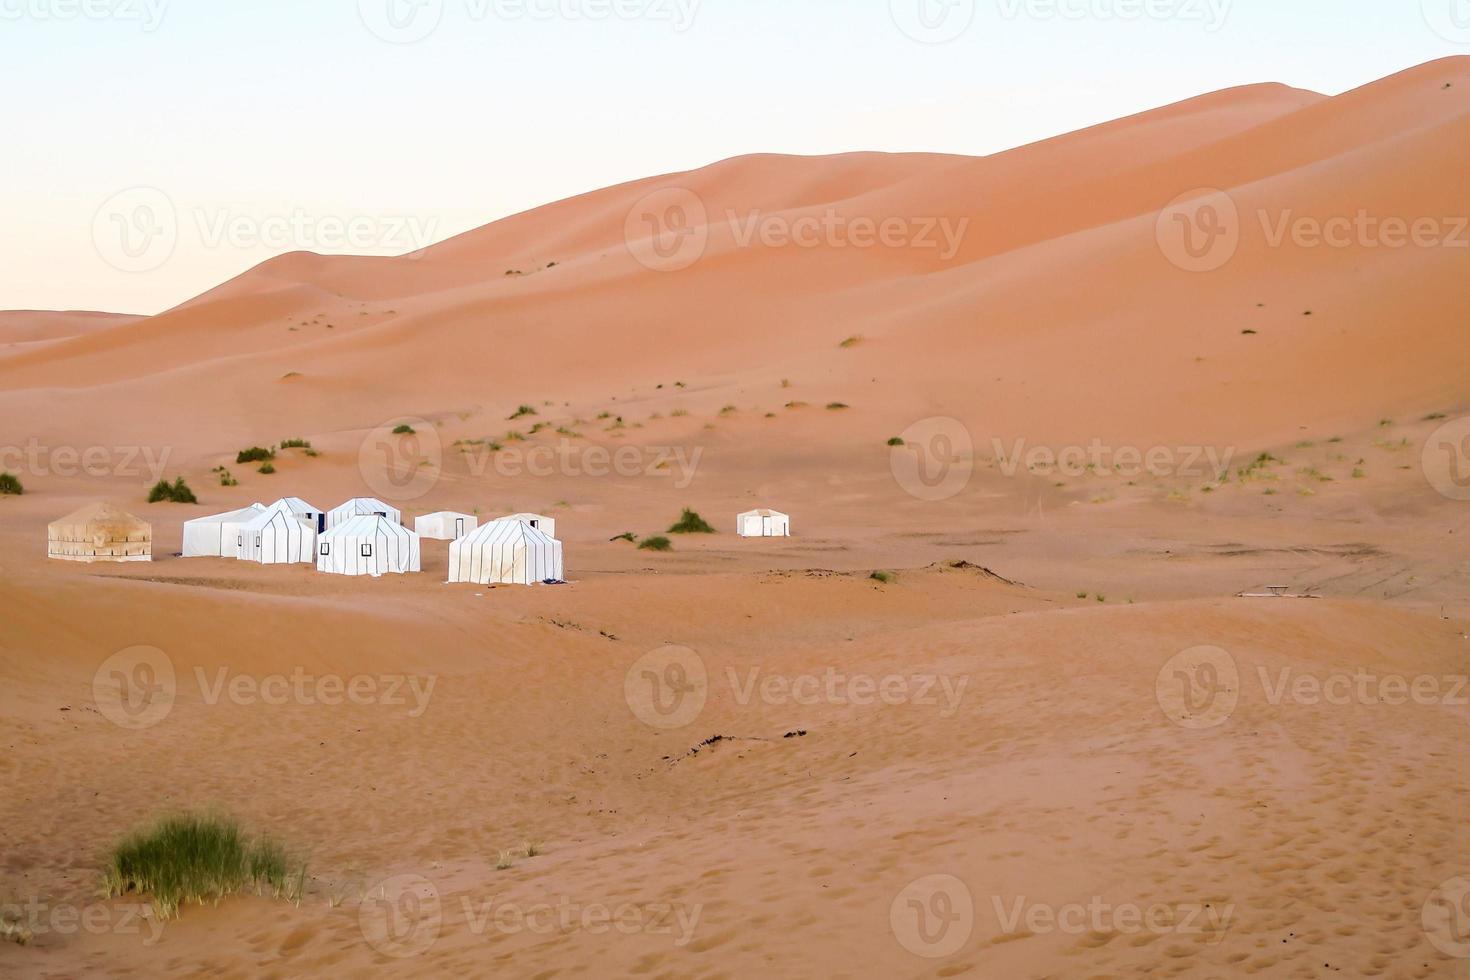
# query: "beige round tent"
{"points": [[100, 532]]}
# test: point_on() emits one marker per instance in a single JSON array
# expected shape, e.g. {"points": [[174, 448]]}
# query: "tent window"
{"points": [[326, 547], [257, 541], [367, 551]]}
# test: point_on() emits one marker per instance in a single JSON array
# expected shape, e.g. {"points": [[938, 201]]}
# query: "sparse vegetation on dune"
{"points": [[886, 578], [836, 406], [197, 859], [896, 442], [255, 454], [522, 412], [295, 444], [628, 536], [656, 543], [691, 523], [403, 430], [10, 485], [177, 492]]}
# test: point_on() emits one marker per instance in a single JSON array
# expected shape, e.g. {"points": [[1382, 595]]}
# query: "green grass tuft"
{"points": [[885, 577], [10, 485], [657, 543], [193, 858], [404, 430], [691, 523], [177, 492], [255, 454]]}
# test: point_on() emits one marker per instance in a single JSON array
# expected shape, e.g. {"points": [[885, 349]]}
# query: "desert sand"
{"points": [[980, 767]]}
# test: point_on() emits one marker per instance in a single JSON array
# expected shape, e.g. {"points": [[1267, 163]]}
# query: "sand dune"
{"points": [[1040, 752]]}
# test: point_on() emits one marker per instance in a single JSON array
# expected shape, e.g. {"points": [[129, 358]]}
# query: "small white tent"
{"points": [[446, 525], [763, 524], [309, 513], [368, 545], [505, 552], [545, 525], [278, 536], [363, 507], [214, 536]]}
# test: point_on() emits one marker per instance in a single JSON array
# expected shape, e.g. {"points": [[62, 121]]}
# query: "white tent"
{"points": [[545, 525], [363, 507], [763, 524], [278, 536], [215, 536], [368, 545], [505, 552], [446, 525], [309, 513]]}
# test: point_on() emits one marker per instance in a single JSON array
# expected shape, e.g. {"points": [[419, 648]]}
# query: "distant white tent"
{"points": [[368, 545], [215, 536], [763, 524], [546, 525], [446, 525], [310, 513], [363, 507], [278, 536], [505, 552]]}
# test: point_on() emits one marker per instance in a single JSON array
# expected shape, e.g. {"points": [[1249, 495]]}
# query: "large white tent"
{"points": [[363, 507], [505, 552], [545, 525], [278, 536], [446, 525], [307, 512], [763, 524], [215, 536], [368, 545]]}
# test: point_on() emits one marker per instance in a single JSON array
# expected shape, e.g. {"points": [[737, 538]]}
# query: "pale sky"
{"points": [[231, 130]]}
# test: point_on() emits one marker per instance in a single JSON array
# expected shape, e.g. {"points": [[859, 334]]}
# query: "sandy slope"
{"points": [[1299, 838]]}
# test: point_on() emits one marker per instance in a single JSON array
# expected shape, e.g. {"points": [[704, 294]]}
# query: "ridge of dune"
{"points": [[1076, 211]]}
